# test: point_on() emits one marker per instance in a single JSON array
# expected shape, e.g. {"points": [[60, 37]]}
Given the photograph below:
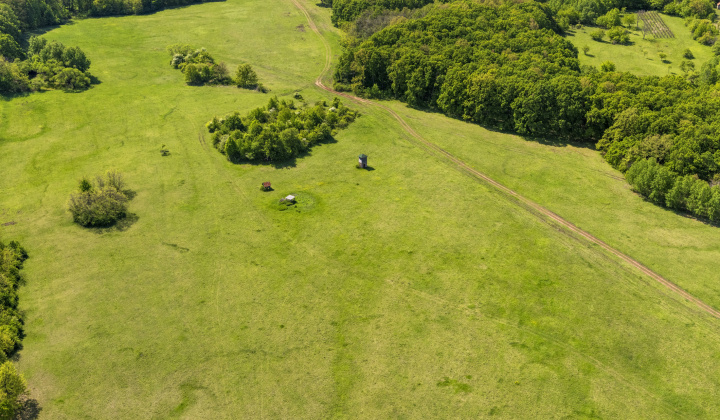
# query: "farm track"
{"points": [[536, 209]]}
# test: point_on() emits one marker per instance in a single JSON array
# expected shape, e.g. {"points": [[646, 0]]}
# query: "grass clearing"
{"points": [[642, 55], [404, 292]]}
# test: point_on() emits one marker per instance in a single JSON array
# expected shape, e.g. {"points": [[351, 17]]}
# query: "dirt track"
{"points": [[526, 203]]}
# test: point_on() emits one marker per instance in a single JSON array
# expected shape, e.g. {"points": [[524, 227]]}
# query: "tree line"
{"points": [[12, 384], [278, 131], [507, 67]]}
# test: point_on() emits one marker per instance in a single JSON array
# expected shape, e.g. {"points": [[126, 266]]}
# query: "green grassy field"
{"points": [[408, 291], [641, 56]]}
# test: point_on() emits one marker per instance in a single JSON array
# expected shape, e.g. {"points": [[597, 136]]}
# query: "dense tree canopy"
{"points": [[508, 67], [278, 131]]}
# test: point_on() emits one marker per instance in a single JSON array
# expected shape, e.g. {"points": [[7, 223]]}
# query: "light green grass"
{"points": [[641, 56], [410, 291]]}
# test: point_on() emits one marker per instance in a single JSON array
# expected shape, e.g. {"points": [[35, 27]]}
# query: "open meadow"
{"points": [[641, 56], [407, 291]]}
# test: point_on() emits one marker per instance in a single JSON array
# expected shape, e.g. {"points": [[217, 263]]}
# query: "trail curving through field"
{"points": [[524, 202]]}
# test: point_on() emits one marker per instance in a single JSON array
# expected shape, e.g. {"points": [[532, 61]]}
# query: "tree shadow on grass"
{"points": [[120, 226], [30, 410], [287, 163]]}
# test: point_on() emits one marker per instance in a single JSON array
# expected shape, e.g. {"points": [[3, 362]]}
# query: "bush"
{"points": [[607, 66], [609, 19], [597, 35], [619, 35], [70, 79], [245, 77], [13, 388], [688, 54], [101, 204]]}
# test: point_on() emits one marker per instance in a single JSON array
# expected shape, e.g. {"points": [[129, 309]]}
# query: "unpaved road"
{"points": [[524, 202]]}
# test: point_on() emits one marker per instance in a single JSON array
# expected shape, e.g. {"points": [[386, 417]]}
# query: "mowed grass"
{"points": [[408, 291], [641, 56]]}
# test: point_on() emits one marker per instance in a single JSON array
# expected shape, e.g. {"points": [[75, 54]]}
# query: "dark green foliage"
{"points": [[349, 10], [101, 204], [245, 77], [12, 257], [507, 67], [49, 64], [610, 19], [278, 131], [703, 30], [198, 66], [619, 35], [12, 384], [688, 54], [13, 388], [685, 193]]}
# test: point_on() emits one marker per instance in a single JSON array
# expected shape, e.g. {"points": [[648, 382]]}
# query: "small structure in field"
{"points": [[362, 159], [266, 186], [288, 200]]}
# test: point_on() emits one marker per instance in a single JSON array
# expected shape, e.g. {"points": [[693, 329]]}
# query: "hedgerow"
{"points": [[12, 384], [278, 131]]}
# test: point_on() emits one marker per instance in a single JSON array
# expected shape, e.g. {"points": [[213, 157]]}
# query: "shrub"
{"points": [[70, 79], [609, 19], [607, 66], [245, 77], [619, 35], [13, 388], [597, 35], [688, 54], [102, 204], [586, 49]]}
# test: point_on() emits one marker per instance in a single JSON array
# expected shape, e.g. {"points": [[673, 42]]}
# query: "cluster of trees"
{"points": [[200, 68], [348, 10], [46, 64], [664, 187], [507, 67], [12, 384], [101, 203], [278, 131]]}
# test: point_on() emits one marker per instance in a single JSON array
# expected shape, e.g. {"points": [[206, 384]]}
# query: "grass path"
{"points": [[526, 203]]}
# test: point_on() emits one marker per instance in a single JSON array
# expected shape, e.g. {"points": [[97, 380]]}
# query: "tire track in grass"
{"points": [[524, 202]]}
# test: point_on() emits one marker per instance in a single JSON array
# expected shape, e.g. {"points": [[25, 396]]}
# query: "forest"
{"points": [[508, 67]]}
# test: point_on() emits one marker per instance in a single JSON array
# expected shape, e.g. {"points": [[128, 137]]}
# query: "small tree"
{"points": [[586, 49], [597, 35], [629, 20], [607, 66], [12, 388], [688, 54], [619, 35], [662, 56], [245, 77]]}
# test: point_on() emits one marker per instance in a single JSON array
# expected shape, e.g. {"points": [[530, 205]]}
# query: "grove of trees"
{"points": [[47, 64], [200, 68], [278, 131]]}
